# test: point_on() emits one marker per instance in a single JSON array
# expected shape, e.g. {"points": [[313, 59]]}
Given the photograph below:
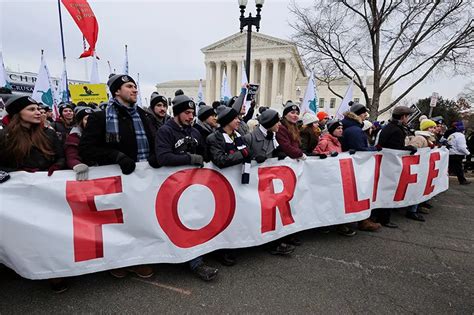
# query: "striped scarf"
{"points": [[112, 127]]}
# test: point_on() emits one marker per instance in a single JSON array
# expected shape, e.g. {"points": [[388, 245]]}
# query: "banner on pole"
{"points": [[95, 93], [174, 214]]}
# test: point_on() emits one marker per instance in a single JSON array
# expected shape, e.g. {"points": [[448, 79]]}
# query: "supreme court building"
{"points": [[276, 66]]}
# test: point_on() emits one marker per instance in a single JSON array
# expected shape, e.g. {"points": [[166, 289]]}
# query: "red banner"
{"points": [[85, 19]]}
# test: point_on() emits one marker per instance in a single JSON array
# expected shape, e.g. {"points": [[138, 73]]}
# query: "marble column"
{"points": [[217, 95], [208, 97], [287, 81], [263, 83], [275, 81], [238, 83], [228, 66]]}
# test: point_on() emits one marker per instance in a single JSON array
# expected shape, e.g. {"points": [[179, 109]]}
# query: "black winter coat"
{"points": [[392, 136], [174, 144], [35, 160], [93, 148], [217, 150], [353, 138]]}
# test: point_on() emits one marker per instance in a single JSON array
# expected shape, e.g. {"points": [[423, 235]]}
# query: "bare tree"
{"points": [[395, 40]]}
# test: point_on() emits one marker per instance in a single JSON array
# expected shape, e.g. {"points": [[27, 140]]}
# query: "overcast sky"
{"points": [[164, 38]]}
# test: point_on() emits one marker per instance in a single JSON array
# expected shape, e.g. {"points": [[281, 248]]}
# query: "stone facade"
{"points": [[276, 65]]}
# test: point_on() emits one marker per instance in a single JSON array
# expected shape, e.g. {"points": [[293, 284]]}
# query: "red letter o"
{"points": [[167, 206]]}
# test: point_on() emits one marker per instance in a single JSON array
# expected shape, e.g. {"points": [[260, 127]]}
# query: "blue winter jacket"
{"points": [[353, 138]]}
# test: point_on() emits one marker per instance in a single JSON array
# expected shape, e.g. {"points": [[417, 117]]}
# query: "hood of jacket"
{"points": [[351, 119]]}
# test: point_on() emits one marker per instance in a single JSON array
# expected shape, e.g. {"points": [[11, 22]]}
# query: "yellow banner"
{"points": [[95, 93]]}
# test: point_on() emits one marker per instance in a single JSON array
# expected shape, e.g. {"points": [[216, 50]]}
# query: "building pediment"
{"points": [[239, 40]]}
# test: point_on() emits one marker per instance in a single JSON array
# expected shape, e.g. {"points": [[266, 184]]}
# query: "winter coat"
{"points": [[62, 130], [243, 128], [204, 129], [259, 145], [392, 136], [288, 145], [309, 139], [155, 123], [353, 137], [175, 143], [423, 139], [71, 148], [94, 149], [35, 160], [217, 148], [328, 144], [457, 140]]}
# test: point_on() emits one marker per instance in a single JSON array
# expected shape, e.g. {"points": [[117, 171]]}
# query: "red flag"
{"points": [[85, 19]]}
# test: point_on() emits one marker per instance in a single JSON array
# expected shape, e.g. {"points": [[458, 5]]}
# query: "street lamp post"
{"points": [[249, 22]]}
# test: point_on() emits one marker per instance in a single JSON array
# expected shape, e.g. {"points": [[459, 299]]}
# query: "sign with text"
{"points": [[95, 93], [58, 227]]}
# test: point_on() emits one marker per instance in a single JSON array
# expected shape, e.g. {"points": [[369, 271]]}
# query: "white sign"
{"points": [[58, 227], [434, 99]]}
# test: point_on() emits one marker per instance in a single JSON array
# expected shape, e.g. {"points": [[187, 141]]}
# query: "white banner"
{"points": [[56, 227]]}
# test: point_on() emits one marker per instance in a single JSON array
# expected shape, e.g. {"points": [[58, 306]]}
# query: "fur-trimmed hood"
{"points": [[352, 119]]}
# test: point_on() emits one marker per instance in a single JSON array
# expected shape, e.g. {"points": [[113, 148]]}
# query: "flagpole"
{"points": [[62, 42]]}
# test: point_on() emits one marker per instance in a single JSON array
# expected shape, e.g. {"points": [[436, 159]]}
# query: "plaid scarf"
{"points": [[112, 128]]}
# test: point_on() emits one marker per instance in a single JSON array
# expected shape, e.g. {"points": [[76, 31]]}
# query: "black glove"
{"points": [[153, 162], [322, 156], [197, 159], [334, 153], [412, 149], [260, 159], [127, 165], [4, 176], [448, 146], [352, 151], [281, 155]]}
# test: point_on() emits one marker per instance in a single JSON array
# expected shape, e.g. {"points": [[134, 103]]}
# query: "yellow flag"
{"points": [[95, 93]]}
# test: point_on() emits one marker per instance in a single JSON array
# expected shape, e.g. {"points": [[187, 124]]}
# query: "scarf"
{"points": [[236, 143], [112, 127]]}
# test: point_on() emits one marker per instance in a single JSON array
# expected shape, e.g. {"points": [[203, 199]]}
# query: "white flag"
{"points": [[125, 64], [43, 91], [139, 94], [200, 96], [95, 79], [310, 102], [62, 94], [245, 80], [226, 94], [345, 102], [3, 74]]}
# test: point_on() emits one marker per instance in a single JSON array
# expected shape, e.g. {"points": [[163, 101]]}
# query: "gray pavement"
{"points": [[419, 268]]}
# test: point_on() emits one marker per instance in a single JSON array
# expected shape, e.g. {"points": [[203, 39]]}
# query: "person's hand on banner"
{"points": [[352, 151], [127, 165], [260, 159], [4, 176], [333, 154], [82, 171], [197, 159], [412, 149], [53, 168]]}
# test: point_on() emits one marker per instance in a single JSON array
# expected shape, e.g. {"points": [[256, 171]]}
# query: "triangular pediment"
{"points": [[239, 41]]}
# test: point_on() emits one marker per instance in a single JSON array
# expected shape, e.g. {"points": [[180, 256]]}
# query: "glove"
{"points": [[379, 148], [153, 163], [303, 157], [448, 146], [352, 151], [281, 155], [53, 168], [260, 159], [334, 154], [412, 149], [322, 156], [82, 171], [4, 176], [127, 165], [197, 159]]}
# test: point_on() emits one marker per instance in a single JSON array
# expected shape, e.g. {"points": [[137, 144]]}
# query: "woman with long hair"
{"points": [[25, 145]]}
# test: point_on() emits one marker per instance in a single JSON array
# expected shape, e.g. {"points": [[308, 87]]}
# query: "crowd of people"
{"points": [[225, 134]]}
